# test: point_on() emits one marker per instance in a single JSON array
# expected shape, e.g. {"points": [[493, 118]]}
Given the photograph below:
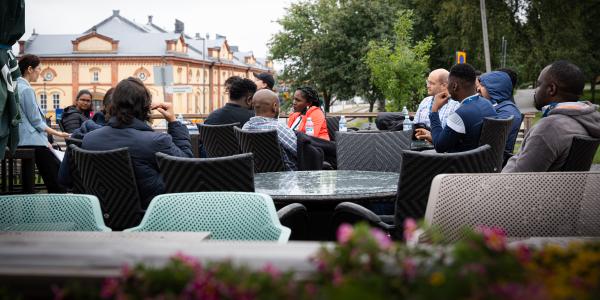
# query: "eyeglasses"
{"points": [[427, 82], [85, 100]]}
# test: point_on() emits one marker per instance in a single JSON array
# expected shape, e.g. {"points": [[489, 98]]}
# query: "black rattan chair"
{"points": [[219, 140], [109, 176], [231, 174], [418, 170], [268, 156], [581, 154], [78, 187], [371, 150], [295, 217], [495, 132], [333, 126]]}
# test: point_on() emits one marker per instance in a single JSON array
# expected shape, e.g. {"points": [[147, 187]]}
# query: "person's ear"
{"points": [[552, 89]]}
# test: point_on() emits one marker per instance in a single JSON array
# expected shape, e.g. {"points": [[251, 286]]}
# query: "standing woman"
{"points": [[33, 129], [306, 105]]}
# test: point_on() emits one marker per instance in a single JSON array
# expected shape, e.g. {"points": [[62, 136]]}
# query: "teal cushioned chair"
{"points": [[51, 212], [226, 215]]}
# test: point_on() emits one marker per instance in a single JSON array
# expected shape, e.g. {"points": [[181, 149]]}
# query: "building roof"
{"points": [[134, 39]]}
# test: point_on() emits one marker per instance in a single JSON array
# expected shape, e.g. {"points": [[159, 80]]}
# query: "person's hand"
{"points": [[440, 100], [423, 134], [63, 134], [165, 109]]}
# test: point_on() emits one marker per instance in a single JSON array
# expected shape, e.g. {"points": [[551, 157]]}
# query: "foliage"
{"points": [[398, 68], [366, 264], [323, 43]]}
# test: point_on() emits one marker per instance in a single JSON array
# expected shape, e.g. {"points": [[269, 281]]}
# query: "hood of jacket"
{"points": [[583, 112], [498, 85]]}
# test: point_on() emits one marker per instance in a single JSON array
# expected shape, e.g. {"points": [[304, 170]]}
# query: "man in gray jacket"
{"points": [[546, 146]]}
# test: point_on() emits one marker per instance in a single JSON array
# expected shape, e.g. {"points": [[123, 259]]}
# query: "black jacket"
{"points": [[228, 114], [72, 118], [143, 143]]}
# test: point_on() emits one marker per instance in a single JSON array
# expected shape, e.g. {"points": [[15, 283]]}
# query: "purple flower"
{"points": [[271, 270], [410, 226], [344, 233], [337, 276], [109, 288], [409, 268], [382, 238]]}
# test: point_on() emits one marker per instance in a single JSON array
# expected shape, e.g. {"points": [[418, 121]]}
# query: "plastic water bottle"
{"points": [[310, 127], [407, 124], [343, 127]]}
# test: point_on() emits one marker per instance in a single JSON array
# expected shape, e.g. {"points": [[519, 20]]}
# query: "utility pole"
{"points": [[486, 45]]}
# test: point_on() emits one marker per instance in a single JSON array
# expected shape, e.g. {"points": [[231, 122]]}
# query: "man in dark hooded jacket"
{"points": [[497, 87], [546, 146]]}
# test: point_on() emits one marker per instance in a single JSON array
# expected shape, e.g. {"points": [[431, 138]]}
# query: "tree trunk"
{"points": [[381, 104], [326, 100], [371, 105]]}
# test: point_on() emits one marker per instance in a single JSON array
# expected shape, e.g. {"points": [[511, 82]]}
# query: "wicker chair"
{"points": [[523, 204], [268, 156], [371, 151], [109, 176], [184, 175], [581, 154], [495, 132], [51, 212], [226, 215], [219, 140], [418, 170]]}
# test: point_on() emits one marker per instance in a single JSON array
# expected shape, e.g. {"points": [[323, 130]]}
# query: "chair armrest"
{"points": [[357, 213], [290, 210]]}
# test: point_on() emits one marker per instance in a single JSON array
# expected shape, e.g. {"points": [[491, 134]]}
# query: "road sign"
{"points": [[174, 89], [461, 57], [163, 75]]}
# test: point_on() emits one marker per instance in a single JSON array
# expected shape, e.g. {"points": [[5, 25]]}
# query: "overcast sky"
{"points": [[247, 24]]}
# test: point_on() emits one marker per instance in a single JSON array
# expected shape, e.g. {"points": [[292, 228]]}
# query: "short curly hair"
{"points": [[310, 94], [130, 100], [240, 88]]}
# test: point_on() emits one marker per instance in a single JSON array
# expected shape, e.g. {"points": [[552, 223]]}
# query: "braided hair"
{"points": [[311, 95]]}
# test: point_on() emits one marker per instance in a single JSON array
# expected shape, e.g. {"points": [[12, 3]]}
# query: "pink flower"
{"points": [[409, 268], [271, 270], [109, 288], [344, 233], [410, 226], [382, 238], [187, 260], [494, 237], [337, 276], [523, 253]]}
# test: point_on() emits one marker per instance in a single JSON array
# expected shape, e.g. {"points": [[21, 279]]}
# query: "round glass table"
{"points": [[327, 186]]}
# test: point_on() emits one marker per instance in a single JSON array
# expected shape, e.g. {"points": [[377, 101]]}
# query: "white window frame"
{"points": [[44, 101], [55, 100]]}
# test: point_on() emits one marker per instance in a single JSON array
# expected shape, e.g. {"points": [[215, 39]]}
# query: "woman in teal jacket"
{"points": [[33, 129]]}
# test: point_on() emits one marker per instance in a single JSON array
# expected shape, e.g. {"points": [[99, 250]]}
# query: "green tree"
{"points": [[324, 42], [399, 68]]}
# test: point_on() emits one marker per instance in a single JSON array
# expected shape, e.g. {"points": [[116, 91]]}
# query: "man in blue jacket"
{"points": [[463, 127], [497, 87]]}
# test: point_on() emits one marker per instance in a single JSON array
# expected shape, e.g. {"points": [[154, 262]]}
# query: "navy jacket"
{"points": [[463, 127], [230, 113], [499, 87], [143, 143]]}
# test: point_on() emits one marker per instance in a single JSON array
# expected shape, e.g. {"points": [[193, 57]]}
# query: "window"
{"points": [[48, 76], [95, 76], [44, 101], [56, 100], [142, 76]]}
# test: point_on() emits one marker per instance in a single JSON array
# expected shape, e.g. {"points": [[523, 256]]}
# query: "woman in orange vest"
{"points": [[306, 105]]}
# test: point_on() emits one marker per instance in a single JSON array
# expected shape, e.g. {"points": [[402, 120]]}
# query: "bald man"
{"points": [[437, 82], [266, 108]]}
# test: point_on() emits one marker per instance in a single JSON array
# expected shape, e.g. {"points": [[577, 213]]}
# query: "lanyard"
{"points": [[551, 106]]}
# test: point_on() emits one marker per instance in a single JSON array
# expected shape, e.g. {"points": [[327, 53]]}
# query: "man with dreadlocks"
{"points": [[306, 105]]}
